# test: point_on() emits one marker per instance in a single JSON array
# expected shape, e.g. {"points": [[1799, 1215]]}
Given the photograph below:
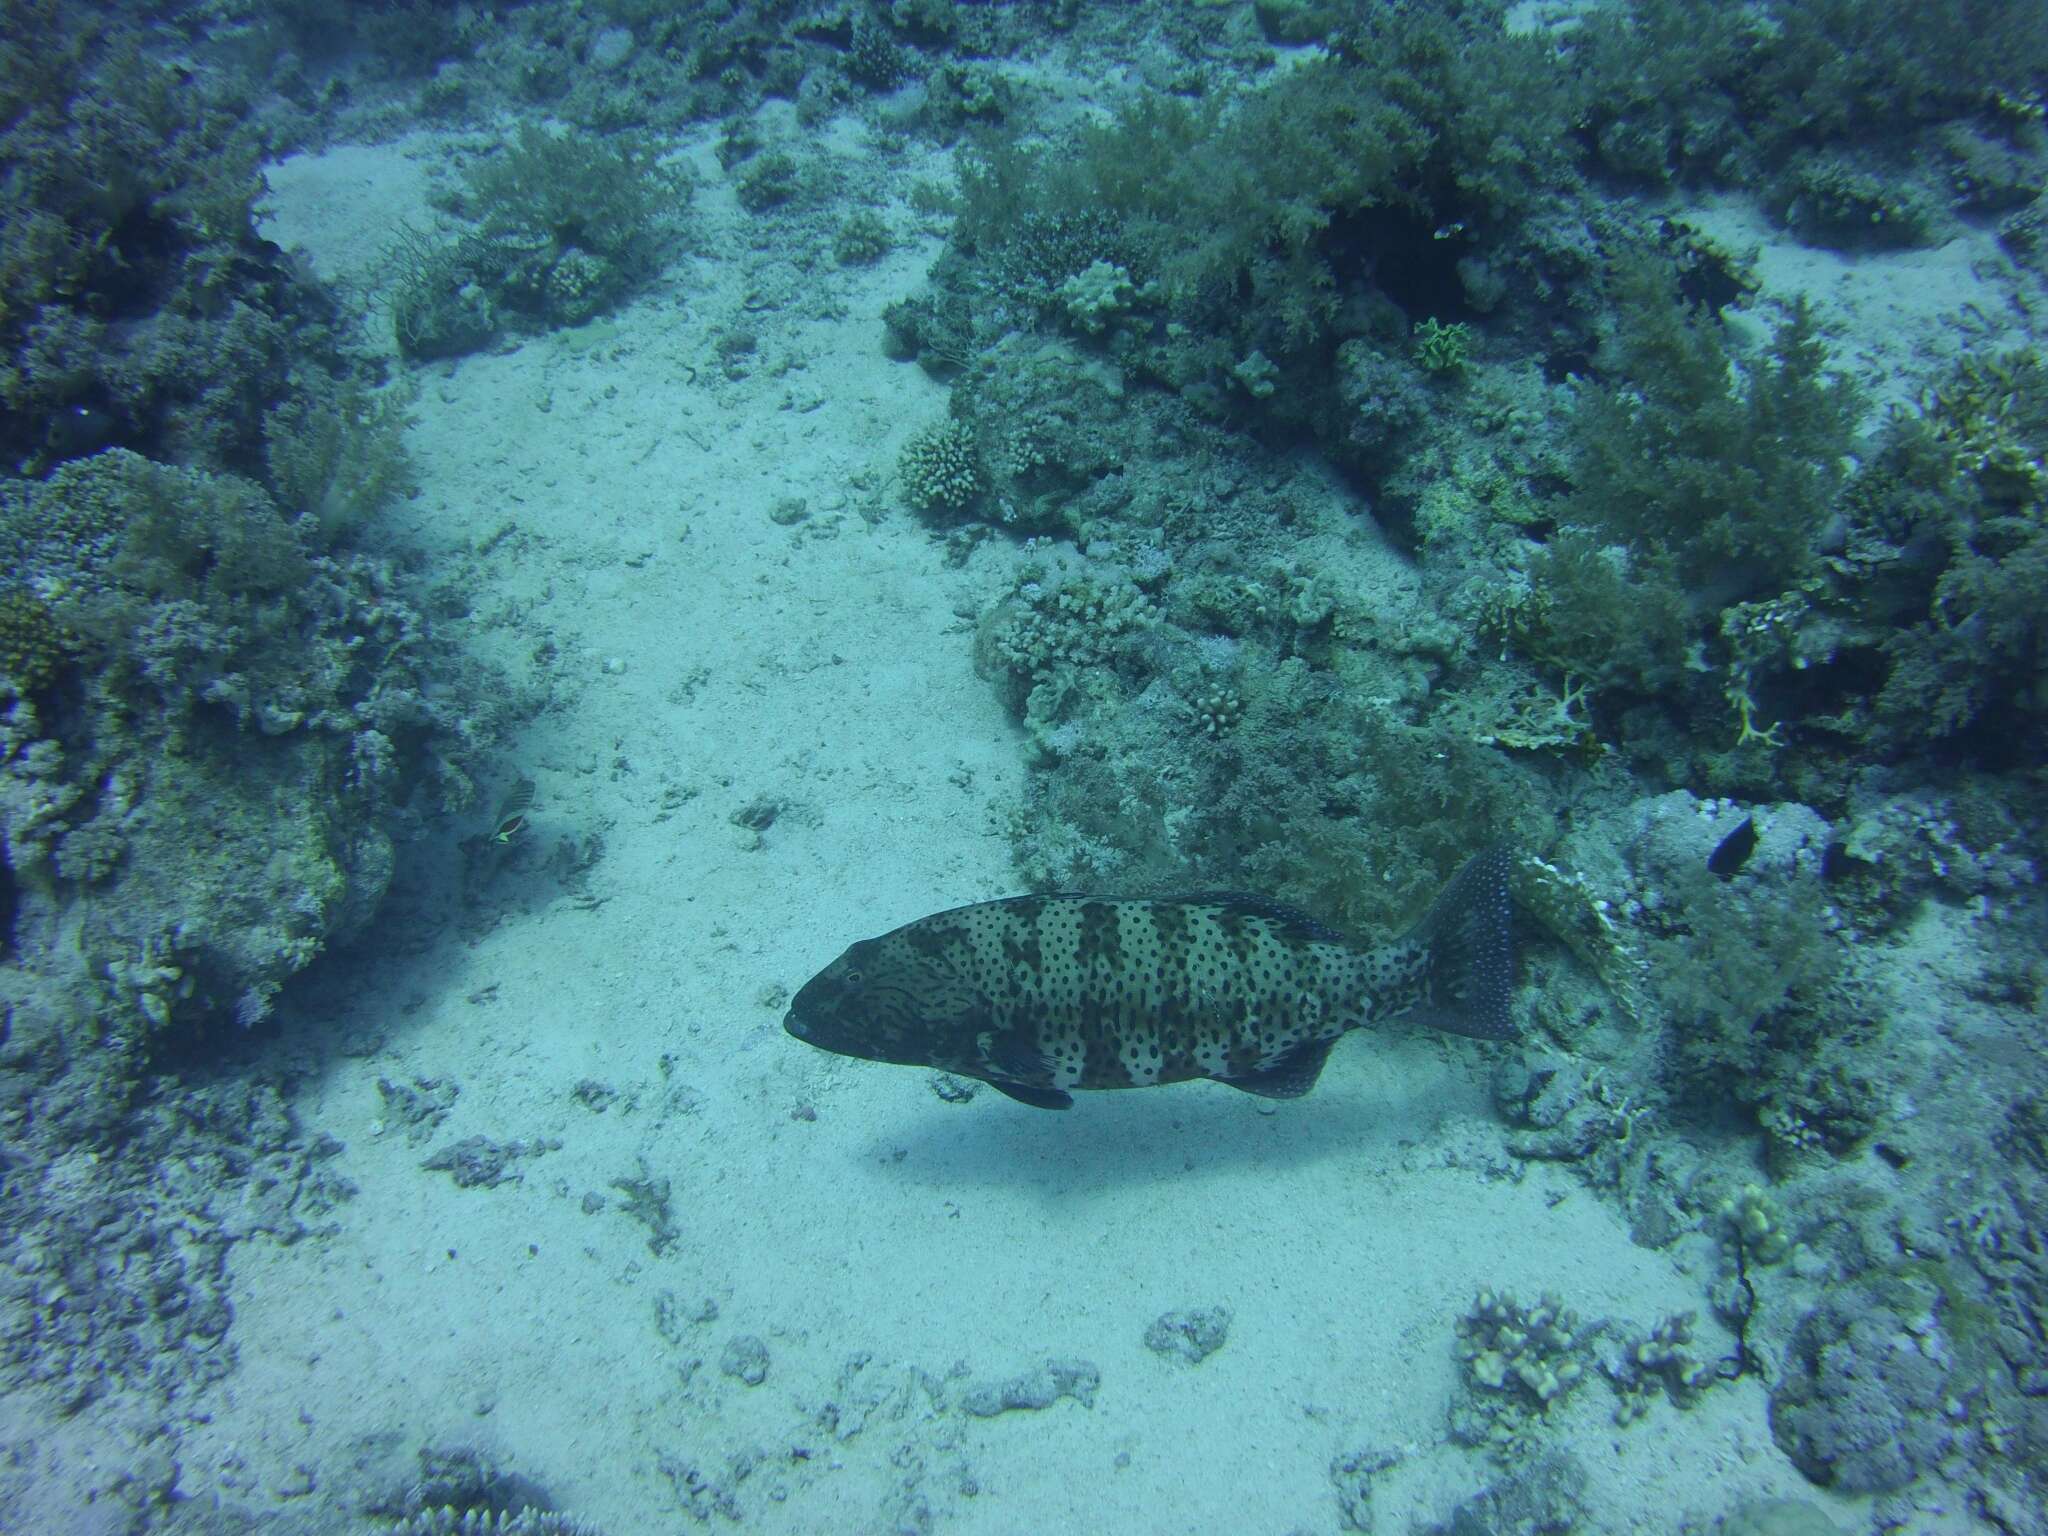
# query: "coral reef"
{"points": [[446, 1521], [1035, 1389], [127, 206], [1867, 1401], [1546, 1497], [230, 799], [1389, 485]]}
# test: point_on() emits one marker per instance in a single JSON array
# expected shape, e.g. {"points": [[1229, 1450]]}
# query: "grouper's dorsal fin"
{"points": [[1292, 921], [1289, 1077], [1037, 1098]]}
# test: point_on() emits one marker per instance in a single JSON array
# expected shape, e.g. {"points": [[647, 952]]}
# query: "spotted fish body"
{"points": [[1040, 995]]}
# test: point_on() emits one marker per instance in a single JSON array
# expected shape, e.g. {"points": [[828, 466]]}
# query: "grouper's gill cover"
{"points": [[1037, 995]]}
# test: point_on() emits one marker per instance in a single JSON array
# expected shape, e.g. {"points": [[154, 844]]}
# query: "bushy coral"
{"points": [[1928, 623], [1601, 611], [1704, 486], [610, 197], [1689, 89], [862, 240], [1746, 970], [1251, 214], [769, 181], [1718, 467], [874, 60], [566, 225], [336, 457]]}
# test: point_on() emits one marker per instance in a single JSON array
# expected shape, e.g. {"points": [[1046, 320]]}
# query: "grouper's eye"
{"points": [[851, 978]]}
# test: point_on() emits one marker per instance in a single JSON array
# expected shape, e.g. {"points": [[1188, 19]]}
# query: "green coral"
{"points": [[956, 94], [1055, 645], [1075, 623], [34, 648], [1094, 298], [940, 468], [1529, 1353], [1443, 349], [1217, 710]]}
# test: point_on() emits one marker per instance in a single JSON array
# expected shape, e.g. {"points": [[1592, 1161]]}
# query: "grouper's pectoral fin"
{"points": [[1289, 1077], [1037, 1098]]}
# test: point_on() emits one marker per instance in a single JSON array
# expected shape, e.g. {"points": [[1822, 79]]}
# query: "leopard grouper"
{"points": [[1038, 995]]}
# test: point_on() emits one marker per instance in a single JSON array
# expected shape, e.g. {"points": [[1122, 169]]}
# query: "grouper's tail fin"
{"points": [[1468, 937]]}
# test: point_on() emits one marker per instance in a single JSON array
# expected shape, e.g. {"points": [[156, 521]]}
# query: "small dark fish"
{"points": [[1037, 995], [78, 430], [1733, 851]]}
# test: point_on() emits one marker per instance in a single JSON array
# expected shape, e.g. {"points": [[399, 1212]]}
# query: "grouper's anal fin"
{"points": [[1037, 1098], [1289, 1077]]}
